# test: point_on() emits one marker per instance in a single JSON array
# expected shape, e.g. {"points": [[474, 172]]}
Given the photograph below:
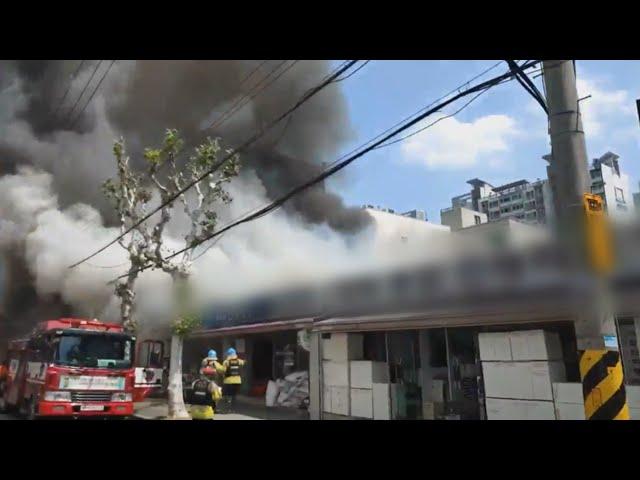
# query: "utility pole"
{"points": [[581, 223]]}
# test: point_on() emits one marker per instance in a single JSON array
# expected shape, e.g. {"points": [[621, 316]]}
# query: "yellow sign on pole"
{"points": [[598, 234]]}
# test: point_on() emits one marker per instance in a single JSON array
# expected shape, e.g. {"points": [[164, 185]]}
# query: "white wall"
{"points": [[460, 217], [611, 182], [393, 232]]}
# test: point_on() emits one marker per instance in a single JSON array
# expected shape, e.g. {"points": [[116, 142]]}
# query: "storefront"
{"points": [[430, 361], [276, 352]]}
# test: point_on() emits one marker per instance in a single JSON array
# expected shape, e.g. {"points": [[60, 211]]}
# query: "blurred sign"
{"points": [[599, 242]]}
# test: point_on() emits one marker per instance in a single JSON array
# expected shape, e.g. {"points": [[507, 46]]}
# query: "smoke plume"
{"points": [[54, 157]]}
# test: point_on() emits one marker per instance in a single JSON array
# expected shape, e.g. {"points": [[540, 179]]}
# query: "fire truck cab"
{"points": [[70, 368]]}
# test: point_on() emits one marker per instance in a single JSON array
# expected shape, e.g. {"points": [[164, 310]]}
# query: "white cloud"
{"points": [[452, 144], [606, 110]]}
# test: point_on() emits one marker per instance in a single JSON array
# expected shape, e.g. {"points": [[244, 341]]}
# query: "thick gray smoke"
{"points": [[140, 99], [53, 212]]}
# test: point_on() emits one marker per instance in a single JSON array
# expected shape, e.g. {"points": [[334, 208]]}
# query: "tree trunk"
{"points": [[177, 409]]}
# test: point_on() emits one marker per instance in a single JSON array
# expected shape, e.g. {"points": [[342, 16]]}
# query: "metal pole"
{"points": [[600, 365]]}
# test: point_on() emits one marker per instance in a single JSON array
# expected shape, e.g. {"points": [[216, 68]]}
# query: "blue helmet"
{"points": [[231, 352], [212, 354]]}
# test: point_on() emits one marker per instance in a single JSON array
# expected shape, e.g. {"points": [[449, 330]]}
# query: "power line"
{"points": [[401, 139], [92, 94], [290, 118], [83, 90], [233, 152], [339, 166], [406, 119], [353, 73], [244, 99], [73, 76]]}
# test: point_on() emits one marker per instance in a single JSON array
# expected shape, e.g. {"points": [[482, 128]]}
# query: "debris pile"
{"points": [[292, 391]]}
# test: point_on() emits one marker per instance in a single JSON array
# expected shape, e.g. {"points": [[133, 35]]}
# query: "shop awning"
{"points": [[264, 327], [534, 312]]}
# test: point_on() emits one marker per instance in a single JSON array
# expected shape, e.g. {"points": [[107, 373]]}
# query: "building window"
{"points": [[529, 195], [595, 174], [484, 206], [619, 195], [517, 196], [493, 204], [505, 199], [477, 219]]}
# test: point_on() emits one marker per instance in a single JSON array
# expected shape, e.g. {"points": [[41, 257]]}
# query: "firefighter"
{"points": [[204, 396], [210, 367], [232, 378]]}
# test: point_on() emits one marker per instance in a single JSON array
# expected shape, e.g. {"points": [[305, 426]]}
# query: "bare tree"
{"points": [[149, 246], [130, 199]]}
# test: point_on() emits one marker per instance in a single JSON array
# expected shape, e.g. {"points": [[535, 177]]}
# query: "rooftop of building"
{"points": [[507, 186]]}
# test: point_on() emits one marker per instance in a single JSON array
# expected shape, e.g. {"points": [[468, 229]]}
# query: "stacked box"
{"points": [[519, 369], [362, 402], [364, 373], [343, 347], [337, 351], [568, 400], [381, 401], [507, 409]]}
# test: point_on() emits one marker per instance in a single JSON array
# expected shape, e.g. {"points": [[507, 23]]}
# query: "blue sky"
{"points": [[500, 137]]}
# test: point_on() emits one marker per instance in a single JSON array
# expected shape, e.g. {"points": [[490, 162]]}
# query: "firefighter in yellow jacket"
{"points": [[211, 368], [232, 376], [205, 392]]}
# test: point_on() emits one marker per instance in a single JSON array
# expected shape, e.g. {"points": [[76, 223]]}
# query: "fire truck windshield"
{"points": [[91, 349]]}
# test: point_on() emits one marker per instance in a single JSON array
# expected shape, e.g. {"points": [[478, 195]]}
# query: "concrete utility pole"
{"points": [[600, 364]]}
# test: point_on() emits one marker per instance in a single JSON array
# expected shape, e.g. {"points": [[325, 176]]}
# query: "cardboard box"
{"points": [[362, 402], [364, 373], [507, 409], [568, 393], [494, 346], [340, 401], [522, 380], [342, 347], [335, 374], [381, 401], [535, 345], [569, 411]]}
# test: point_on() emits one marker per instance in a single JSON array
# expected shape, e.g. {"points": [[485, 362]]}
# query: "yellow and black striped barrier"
{"points": [[603, 385]]}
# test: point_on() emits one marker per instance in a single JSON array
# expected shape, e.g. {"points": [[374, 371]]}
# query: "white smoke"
{"points": [[274, 252], [50, 211]]}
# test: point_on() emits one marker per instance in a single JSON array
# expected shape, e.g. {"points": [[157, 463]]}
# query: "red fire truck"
{"points": [[73, 368]]}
